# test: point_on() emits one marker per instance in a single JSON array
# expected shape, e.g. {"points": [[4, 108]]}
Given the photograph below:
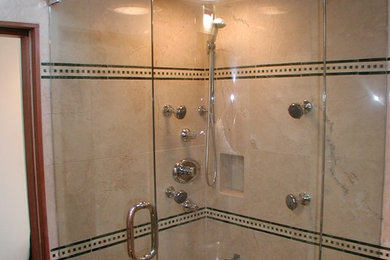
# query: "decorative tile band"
{"points": [[304, 69], [345, 245], [297, 69], [118, 72], [120, 236]]}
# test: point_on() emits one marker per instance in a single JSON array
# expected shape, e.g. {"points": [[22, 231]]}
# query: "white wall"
{"points": [[14, 219]]}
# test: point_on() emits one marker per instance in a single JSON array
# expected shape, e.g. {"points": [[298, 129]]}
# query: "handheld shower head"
{"points": [[218, 23]]}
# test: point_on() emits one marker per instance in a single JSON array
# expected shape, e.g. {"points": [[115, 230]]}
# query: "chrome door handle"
{"points": [[130, 231]]}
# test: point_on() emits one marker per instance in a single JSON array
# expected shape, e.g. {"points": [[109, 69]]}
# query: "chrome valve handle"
{"points": [[186, 135], [297, 110], [292, 202], [179, 113]]}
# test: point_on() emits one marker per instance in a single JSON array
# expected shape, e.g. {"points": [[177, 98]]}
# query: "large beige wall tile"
{"points": [[354, 166], [177, 34], [224, 240], [353, 199], [72, 140], [269, 32], [71, 95], [183, 242], [168, 129], [91, 32], [121, 118], [120, 183], [356, 116], [356, 29], [329, 254], [75, 201]]}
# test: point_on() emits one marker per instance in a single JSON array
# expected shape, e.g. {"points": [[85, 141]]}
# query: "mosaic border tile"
{"points": [[348, 246], [118, 72], [120, 236], [305, 69], [298, 69], [289, 232]]}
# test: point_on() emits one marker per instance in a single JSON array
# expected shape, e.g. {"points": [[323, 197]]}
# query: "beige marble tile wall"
{"points": [[94, 32], [184, 242], [261, 32], [36, 11], [360, 32], [356, 122], [178, 39], [103, 159], [355, 157]]}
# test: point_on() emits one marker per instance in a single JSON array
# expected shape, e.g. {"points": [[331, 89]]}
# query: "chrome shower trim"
{"points": [[217, 24], [52, 2]]}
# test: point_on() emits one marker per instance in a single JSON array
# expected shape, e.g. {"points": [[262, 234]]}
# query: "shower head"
{"points": [[218, 23]]}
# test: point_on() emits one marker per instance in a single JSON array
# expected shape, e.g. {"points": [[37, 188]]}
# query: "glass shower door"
{"points": [[268, 66], [354, 222], [101, 94], [268, 57]]}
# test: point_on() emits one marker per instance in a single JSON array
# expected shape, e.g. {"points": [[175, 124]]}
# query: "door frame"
{"points": [[32, 121]]}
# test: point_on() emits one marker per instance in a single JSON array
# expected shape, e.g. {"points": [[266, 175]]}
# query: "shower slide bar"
{"points": [[130, 231]]}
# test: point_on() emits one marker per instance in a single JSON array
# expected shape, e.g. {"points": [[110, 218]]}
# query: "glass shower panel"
{"points": [[268, 59], [179, 59], [101, 89], [355, 129]]}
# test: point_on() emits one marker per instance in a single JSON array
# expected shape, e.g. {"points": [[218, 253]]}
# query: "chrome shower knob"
{"points": [[181, 197], [202, 110], [178, 196], [297, 110], [292, 202], [186, 135], [179, 113]]}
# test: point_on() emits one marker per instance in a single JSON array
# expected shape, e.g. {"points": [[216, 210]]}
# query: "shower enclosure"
{"points": [[293, 181]]}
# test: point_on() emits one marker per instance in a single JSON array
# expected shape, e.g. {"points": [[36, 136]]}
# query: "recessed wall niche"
{"points": [[232, 174]]}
